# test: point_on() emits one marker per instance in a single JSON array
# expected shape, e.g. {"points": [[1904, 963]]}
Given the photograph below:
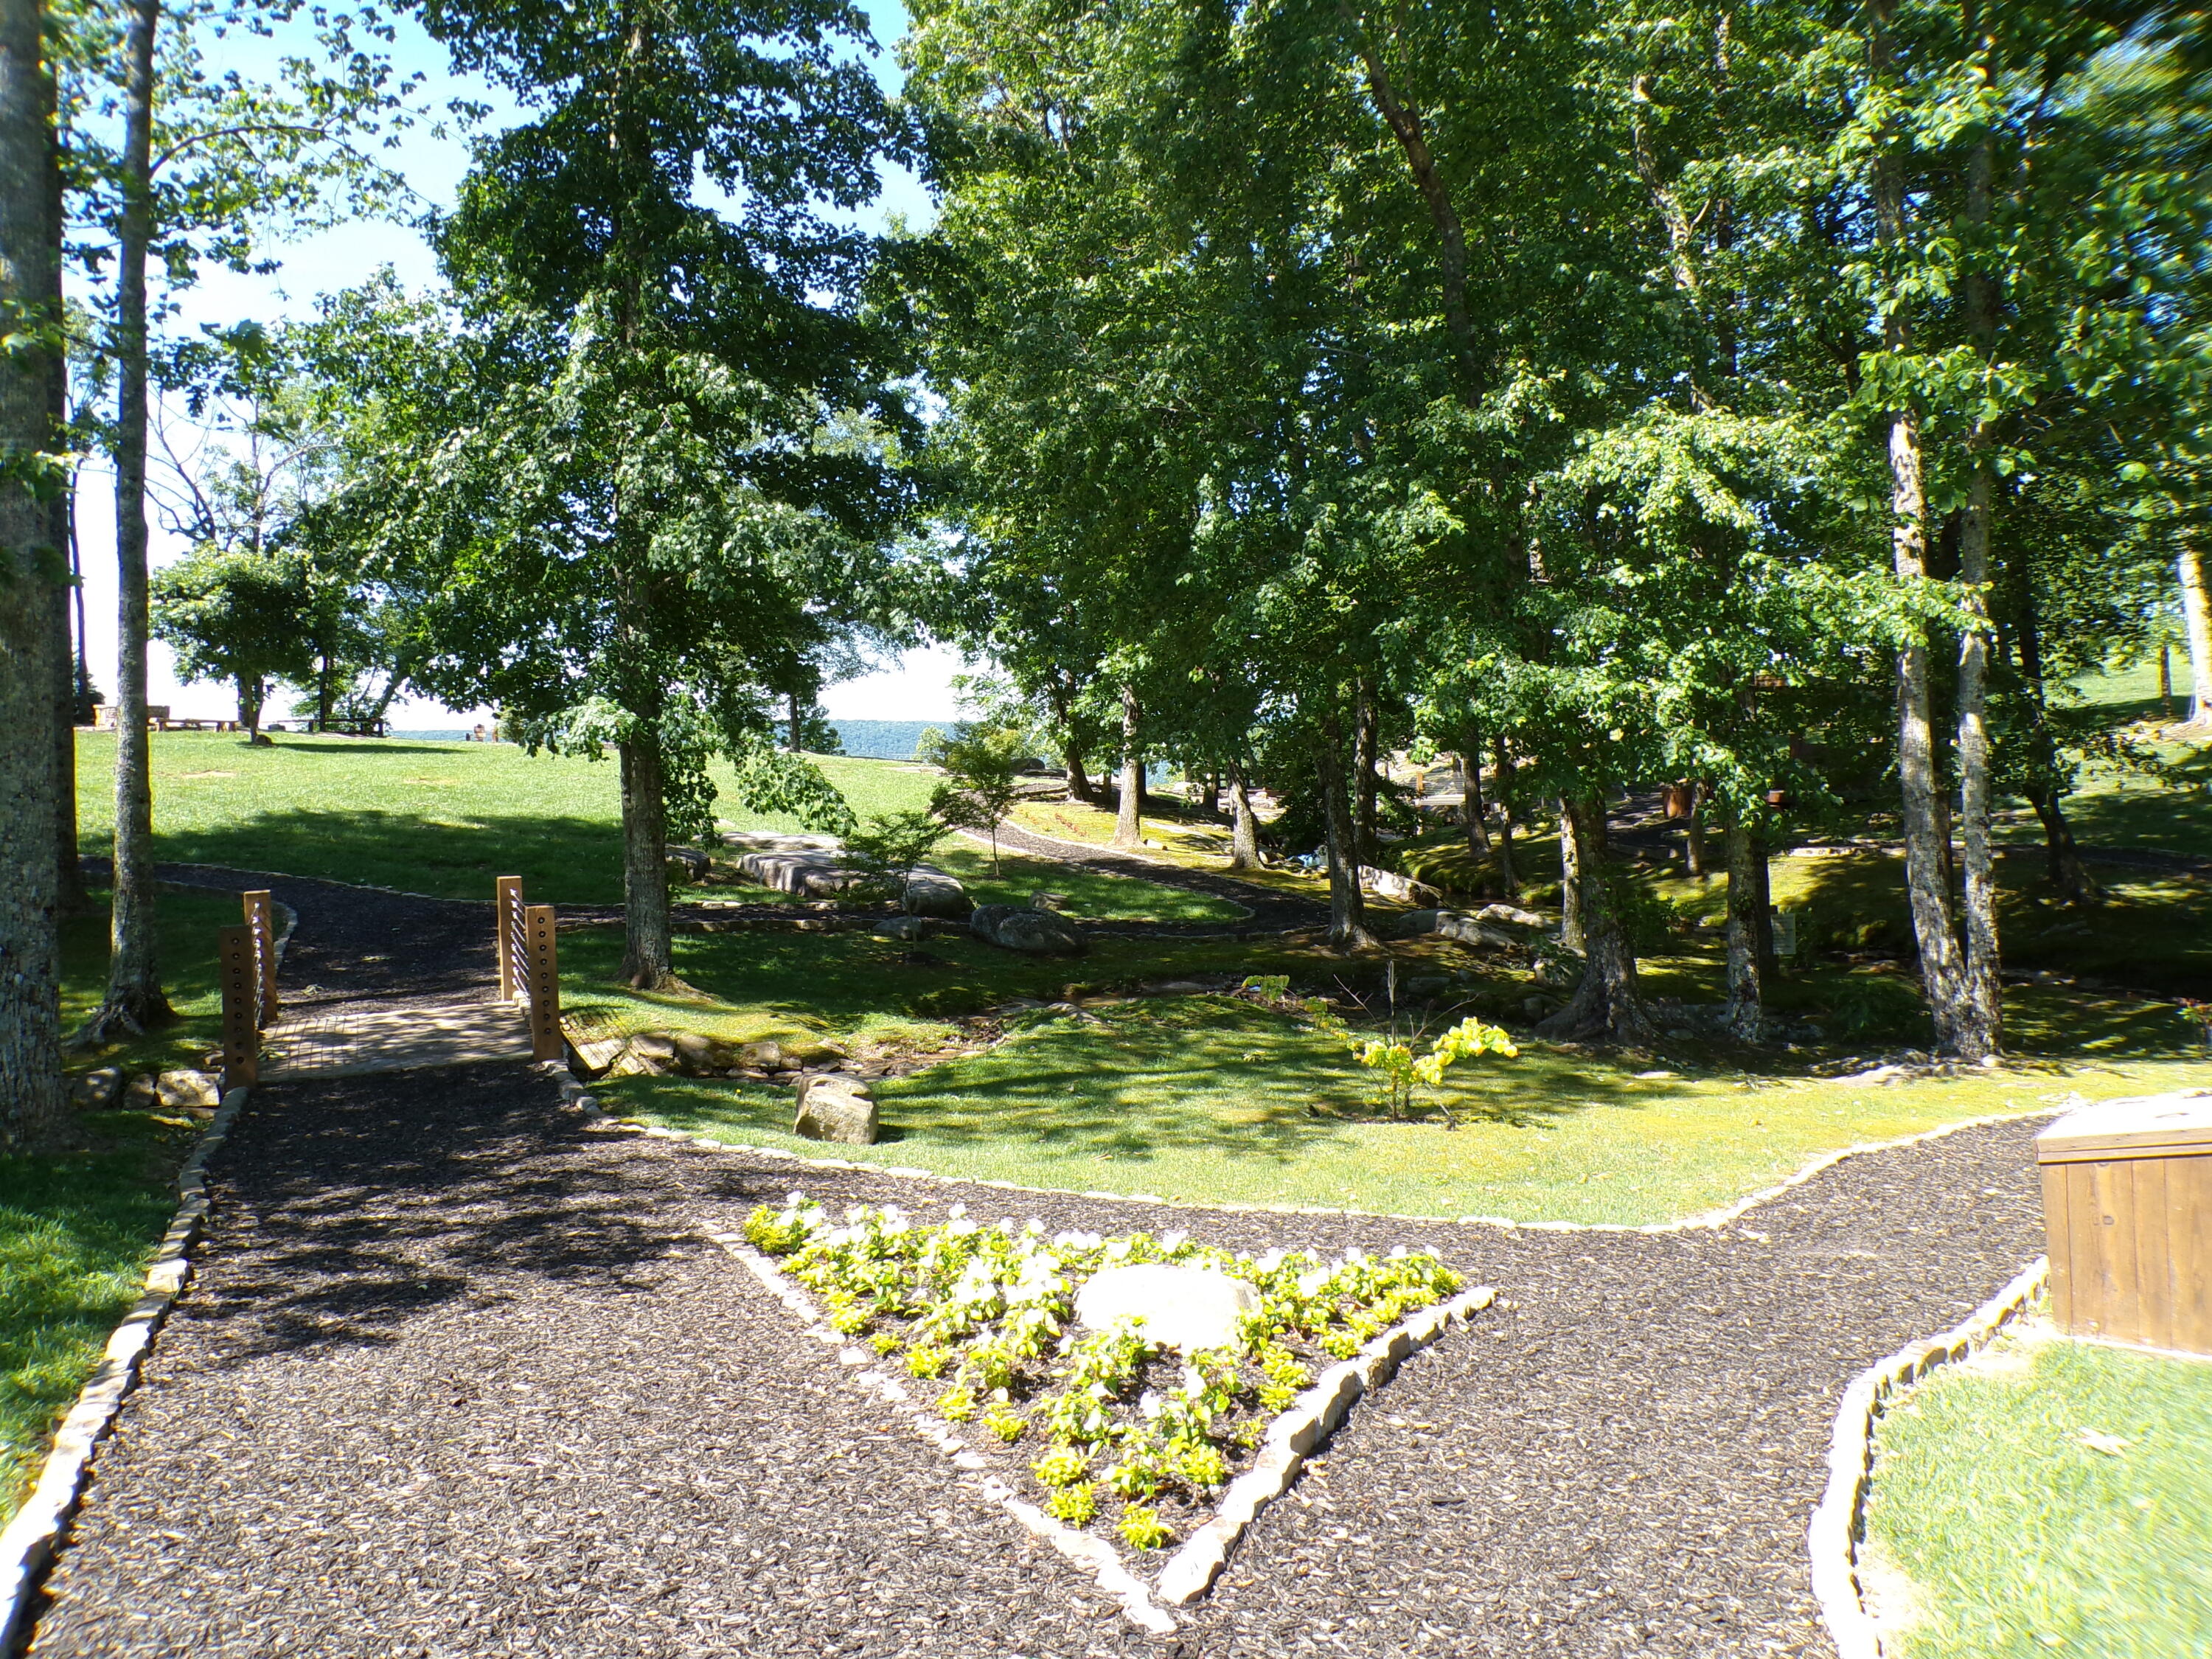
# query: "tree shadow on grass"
{"points": [[563, 858]]}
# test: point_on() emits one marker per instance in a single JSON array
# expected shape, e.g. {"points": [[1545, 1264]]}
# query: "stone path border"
{"points": [[29, 1540], [1831, 1539], [1304, 1424]]}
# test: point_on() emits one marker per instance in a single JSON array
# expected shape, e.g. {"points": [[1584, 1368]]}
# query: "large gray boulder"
{"points": [[1177, 1307], [815, 866], [836, 1108], [1032, 932], [1450, 924]]}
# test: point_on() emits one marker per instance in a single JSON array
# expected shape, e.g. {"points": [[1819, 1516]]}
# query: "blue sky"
{"points": [[916, 688]]}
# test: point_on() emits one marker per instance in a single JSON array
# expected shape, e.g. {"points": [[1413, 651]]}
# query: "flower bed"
{"points": [[1122, 1433]]}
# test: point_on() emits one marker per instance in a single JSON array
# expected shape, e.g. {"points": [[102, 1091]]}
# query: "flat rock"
{"points": [[177, 1091], [838, 1108], [97, 1090], [815, 866], [1032, 932], [1183, 1308], [1509, 915]]}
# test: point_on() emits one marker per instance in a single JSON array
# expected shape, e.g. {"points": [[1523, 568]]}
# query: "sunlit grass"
{"points": [[1209, 1099], [75, 1229], [2017, 1537]]}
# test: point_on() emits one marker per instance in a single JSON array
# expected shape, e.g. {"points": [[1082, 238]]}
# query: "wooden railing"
{"points": [[246, 961], [529, 965]]}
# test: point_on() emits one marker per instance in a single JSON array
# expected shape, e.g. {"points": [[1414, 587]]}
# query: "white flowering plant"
{"points": [[1133, 1436]]}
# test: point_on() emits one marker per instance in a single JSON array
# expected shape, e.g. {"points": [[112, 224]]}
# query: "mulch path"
{"points": [[458, 1376]]}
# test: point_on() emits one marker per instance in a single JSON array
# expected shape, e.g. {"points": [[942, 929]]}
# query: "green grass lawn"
{"points": [[446, 819], [186, 954], [1209, 1097], [75, 1229], [2012, 1535]]}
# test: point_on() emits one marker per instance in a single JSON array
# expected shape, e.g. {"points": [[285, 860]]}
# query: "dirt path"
{"points": [[457, 1377]]}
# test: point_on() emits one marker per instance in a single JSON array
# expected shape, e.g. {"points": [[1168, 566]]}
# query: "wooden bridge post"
{"points": [[235, 965], [260, 916], [543, 972], [506, 903]]}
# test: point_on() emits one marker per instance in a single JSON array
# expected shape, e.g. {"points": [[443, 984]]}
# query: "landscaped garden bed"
{"points": [[1118, 1431]]}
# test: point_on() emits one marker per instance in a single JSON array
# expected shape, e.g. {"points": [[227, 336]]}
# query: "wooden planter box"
{"points": [[2127, 1204]]}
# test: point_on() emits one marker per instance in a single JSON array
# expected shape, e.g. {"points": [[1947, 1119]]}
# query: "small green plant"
{"points": [[885, 1343], [1139, 1474], [957, 1405], [1005, 1422], [1202, 1465], [1074, 1504], [1400, 1073], [928, 1362], [1061, 1466], [1143, 1528]]}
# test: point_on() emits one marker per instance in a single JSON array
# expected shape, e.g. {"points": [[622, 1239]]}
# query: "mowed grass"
{"points": [[446, 819], [2015, 1536], [76, 1226], [184, 953], [75, 1231], [1208, 1099]]}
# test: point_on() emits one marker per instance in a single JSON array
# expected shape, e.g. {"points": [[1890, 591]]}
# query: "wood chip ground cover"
{"points": [[1118, 1433]]}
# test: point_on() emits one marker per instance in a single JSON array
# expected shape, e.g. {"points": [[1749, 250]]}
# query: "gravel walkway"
{"points": [[457, 1377]]}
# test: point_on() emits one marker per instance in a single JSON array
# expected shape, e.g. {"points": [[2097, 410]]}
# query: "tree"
{"points": [[236, 615], [982, 782], [891, 846], [210, 166], [32, 568], [645, 453]]}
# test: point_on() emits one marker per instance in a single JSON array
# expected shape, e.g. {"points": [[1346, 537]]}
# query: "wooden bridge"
{"points": [[517, 1019]]}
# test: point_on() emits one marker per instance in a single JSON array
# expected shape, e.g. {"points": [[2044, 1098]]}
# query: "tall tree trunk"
{"points": [[648, 956], [1244, 837], [793, 707], [71, 897], [1509, 879], [32, 1109], [134, 1000], [1605, 1003], [1080, 787], [1693, 831], [1365, 761], [252, 693], [1570, 884], [1128, 821], [1347, 905], [1470, 766], [1981, 1026], [2046, 781], [1747, 906], [2197, 614], [1926, 853]]}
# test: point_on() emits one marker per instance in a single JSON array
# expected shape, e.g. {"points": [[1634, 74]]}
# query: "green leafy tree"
{"points": [[982, 776], [889, 847], [645, 451], [236, 615]]}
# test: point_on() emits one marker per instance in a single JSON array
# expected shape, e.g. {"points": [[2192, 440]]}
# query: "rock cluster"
{"points": [[815, 866]]}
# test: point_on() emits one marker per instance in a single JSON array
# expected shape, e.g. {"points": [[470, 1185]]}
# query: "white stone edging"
{"points": [[29, 1540], [1094, 1555], [1304, 1424], [1831, 1538]]}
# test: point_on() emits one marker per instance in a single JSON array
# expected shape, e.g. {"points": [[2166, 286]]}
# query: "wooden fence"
{"points": [[529, 965], [246, 962]]}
